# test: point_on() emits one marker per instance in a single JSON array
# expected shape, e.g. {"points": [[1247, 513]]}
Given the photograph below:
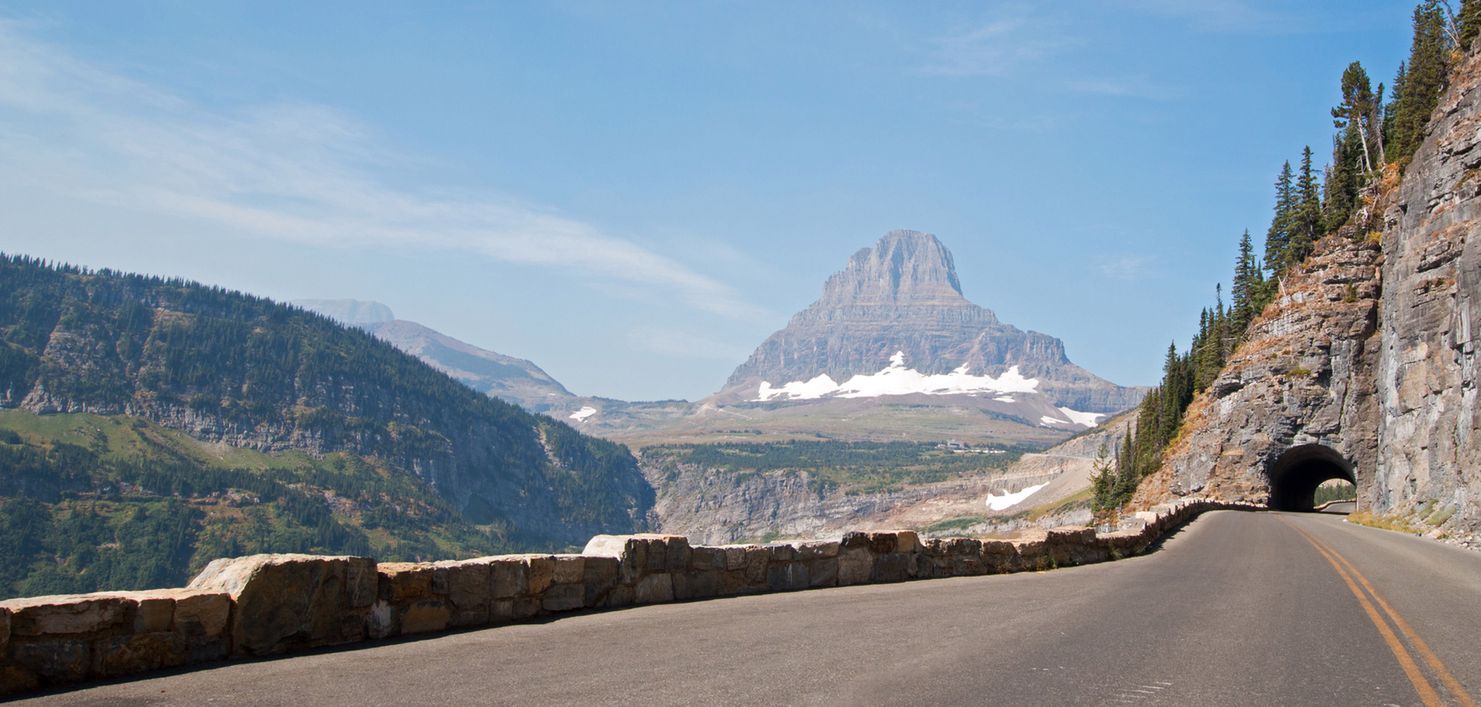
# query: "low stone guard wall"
{"points": [[273, 604]]}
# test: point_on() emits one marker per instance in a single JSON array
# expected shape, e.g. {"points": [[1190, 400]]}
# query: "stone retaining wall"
{"points": [[274, 604]]}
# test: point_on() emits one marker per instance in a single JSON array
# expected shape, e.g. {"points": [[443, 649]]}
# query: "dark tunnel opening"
{"points": [[1295, 475]]}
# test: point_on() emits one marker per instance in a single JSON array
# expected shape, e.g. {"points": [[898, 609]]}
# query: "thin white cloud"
{"points": [[998, 46], [1125, 267], [291, 172]]}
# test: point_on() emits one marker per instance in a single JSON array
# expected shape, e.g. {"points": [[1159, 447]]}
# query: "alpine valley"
{"points": [[890, 400]]}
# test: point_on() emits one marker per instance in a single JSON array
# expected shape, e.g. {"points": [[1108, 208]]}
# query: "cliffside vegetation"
{"points": [[357, 418], [1373, 138]]}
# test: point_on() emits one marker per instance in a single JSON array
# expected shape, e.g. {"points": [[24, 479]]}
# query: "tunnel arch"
{"points": [[1296, 473]]}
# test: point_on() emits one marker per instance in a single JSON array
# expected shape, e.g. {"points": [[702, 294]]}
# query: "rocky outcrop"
{"points": [[266, 604], [903, 295], [1429, 432]]}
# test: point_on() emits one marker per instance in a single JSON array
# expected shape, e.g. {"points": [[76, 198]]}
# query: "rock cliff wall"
{"points": [[1429, 460]]}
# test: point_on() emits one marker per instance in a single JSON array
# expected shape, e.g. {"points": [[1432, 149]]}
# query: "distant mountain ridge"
{"points": [[899, 305], [515, 380]]}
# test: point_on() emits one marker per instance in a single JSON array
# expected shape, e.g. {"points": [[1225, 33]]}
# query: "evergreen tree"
{"points": [[1248, 286], [1357, 108], [1308, 221], [1279, 236], [1342, 180], [1421, 79], [1103, 481]]}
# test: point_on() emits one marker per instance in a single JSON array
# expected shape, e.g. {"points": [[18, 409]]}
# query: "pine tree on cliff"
{"points": [[1357, 109], [1308, 219], [1344, 178], [1223, 341], [1423, 79], [1279, 236], [1248, 288]]}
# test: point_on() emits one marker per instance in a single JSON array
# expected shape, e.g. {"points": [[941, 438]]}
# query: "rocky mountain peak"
{"points": [[904, 267], [902, 300]]}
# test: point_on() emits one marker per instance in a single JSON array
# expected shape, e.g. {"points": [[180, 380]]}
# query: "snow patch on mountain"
{"points": [[583, 413], [1008, 500], [1087, 419], [896, 379]]}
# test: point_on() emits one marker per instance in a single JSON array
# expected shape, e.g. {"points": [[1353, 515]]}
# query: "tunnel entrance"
{"points": [[1297, 473]]}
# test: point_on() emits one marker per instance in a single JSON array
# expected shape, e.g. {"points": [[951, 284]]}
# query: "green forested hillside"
{"points": [[93, 502], [225, 367]]}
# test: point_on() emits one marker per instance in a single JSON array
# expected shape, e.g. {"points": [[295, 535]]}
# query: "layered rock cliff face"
{"points": [[903, 296], [1430, 424], [1367, 361]]}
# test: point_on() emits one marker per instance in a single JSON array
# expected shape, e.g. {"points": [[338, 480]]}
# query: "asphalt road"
{"points": [[1237, 608]]}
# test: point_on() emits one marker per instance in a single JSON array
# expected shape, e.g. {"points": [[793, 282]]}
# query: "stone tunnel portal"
{"points": [[1296, 473]]}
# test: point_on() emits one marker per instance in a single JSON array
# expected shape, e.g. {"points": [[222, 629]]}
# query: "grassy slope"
{"points": [[91, 502]]}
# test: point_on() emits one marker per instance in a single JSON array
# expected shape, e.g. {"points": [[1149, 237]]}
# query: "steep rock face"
{"points": [[1302, 377], [1430, 421], [903, 295]]}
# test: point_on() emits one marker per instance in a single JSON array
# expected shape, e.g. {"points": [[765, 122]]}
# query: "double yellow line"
{"points": [[1354, 578]]}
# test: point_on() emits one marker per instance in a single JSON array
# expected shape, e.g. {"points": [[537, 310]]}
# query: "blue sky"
{"points": [[634, 195]]}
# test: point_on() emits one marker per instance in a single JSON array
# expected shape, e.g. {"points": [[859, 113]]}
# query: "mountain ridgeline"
{"points": [[230, 368]]}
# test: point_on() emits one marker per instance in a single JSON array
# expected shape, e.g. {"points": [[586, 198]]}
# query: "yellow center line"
{"points": [[1436, 665], [1411, 669]]}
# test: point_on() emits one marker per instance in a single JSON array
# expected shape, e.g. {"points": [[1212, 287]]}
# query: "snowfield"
{"points": [[1087, 419], [896, 379], [1008, 500], [583, 413]]}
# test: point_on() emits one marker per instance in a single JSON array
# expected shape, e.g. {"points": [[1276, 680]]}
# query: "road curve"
{"points": [[1237, 608]]}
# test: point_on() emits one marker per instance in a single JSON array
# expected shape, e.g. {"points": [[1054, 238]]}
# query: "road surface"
{"points": [[1237, 608]]}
